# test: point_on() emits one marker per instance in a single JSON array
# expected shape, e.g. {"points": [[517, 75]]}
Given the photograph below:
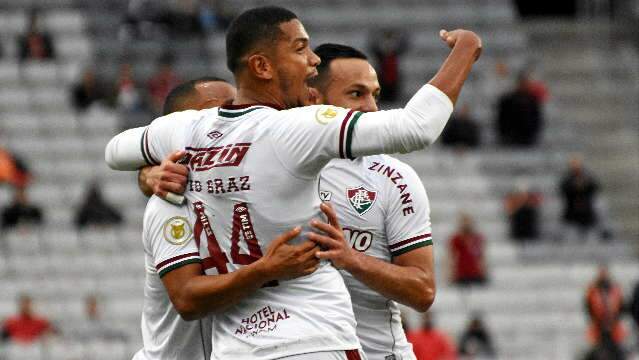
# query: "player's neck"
{"points": [[255, 95]]}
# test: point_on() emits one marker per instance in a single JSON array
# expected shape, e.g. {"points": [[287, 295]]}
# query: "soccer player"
{"points": [[169, 245], [385, 216], [254, 171]]}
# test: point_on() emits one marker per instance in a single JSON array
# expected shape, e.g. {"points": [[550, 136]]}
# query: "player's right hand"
{"points": [[452, 38], [169, 176], [283, 261]]}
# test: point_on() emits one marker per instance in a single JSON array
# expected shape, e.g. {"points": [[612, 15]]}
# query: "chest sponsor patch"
{"points": [[361, 199], [177, 230]]}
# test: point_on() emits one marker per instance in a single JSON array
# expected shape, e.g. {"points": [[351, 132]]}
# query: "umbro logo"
{"points": [[214, 134]]}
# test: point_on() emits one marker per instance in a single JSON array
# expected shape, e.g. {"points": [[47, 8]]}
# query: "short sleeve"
{"points": [[307, 138], [165, 135], [408, 225], [168, 236]]}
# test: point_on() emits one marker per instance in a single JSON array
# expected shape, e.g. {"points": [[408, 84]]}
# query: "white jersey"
{"points": [[168, 244], [253, 175], [384, 212]]}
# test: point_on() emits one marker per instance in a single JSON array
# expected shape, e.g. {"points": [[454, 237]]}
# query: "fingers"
{"points": [[170, 187], [327, 255], [306, 246], [179, 169], [325, 241], [330, 213], [176, 156], [285, 237], [332, 231]]}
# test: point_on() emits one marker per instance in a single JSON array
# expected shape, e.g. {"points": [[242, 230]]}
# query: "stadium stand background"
{"points": [[533, 303]]}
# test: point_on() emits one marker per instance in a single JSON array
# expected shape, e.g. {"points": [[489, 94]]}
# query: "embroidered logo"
{"points": [[361, 199]]}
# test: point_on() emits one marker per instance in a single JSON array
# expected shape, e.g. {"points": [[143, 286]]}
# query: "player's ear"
{"points": [[260, 66]]}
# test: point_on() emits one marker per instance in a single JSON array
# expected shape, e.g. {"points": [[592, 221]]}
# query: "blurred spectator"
{"points": [[183, 17], [86, 92], [35, 44], [522, 207], [142, 19], [387, 48], [467, 254], [604, 305], [476, 341], [519, 118], [579, 190], [162, 82], [26, 327], [96, 211], [634, 308], [430, 343], [462, 130], [95, 327], [20, 211], [13, 170], [128, 94]]}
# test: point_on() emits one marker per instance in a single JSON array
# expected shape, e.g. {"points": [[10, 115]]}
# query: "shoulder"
{"points": [[322, 114], [158, 210]]}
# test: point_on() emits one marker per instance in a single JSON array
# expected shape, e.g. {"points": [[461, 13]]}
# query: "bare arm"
{"points": [[194, 294], [466, 49], [409, 279]]}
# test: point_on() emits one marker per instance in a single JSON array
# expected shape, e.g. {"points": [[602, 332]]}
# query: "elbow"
{"points": [[109, 155], [425, 298], [187, 311]]}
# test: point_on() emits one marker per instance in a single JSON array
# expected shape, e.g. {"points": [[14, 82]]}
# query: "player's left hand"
{"points": [[334, 246]]}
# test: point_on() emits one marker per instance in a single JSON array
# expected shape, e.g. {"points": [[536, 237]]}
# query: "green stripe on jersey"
{"points": [[227, 114], [179, 264], [412, 247], [349, 134]]}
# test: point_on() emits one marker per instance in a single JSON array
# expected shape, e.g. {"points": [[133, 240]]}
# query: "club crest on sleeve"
{"points": [[325, 114], [361, 199], [177, 230]]}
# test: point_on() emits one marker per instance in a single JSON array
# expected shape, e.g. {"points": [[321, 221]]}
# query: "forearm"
{"points": [[142, 185], [414, 127], [453, 73], [123, 152], [204, 294], [408, 285]]}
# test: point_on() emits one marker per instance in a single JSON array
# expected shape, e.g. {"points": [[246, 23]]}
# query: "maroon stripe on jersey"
{"points": [[244, 106], [176, 258], [352, 355], [189, 148], [146, 147], [342, 133], [404, 242]]}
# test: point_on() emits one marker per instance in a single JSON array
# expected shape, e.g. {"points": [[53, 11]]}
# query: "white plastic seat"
{"points": [[9, 70], [64, 22], [40, 73]]}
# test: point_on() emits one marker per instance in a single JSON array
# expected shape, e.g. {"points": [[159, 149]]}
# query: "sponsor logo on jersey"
{"points": [[390, 357], [359, 240], [326, 195], [361, 199], [325, 114], [262, 321], [177, 230], [202, 159]]}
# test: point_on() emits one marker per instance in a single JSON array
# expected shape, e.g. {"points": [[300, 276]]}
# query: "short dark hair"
{"points": [[180, 93], [329, 52], [253, 27]]}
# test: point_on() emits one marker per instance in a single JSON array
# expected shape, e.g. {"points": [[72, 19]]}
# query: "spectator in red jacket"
{"points": [[467, 254], [430, 343], [26, 327]]}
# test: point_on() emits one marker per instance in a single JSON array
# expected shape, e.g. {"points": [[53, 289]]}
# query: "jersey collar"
{"points": [[246, 106]]}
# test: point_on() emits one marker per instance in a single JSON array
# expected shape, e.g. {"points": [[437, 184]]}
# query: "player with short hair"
{"points": [[254, 174], [384, 213]]}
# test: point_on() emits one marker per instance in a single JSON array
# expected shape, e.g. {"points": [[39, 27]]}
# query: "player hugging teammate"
{"points": [[246, 255]]}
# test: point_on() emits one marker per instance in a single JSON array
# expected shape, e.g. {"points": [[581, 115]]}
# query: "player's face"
{"points": [[213, 93], [295, 63], [352, 84]]}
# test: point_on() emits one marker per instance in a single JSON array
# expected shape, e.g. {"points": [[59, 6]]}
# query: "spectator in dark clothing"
{"points": [[476, 340], [467, 254], [522, 207], [20, 211], [519, 119], [26, 327], [387, 50], [96, 211], [462, 130], [86, 92], [579, 190], [35, 44]]}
